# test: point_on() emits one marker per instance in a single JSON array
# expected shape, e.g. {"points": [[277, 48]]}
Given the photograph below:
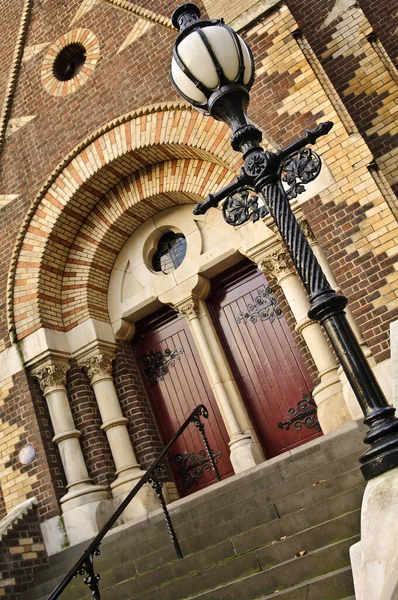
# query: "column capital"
{"points": [[277, 264], [307, 230], [189, 307], [51, 375], [98, 366]]}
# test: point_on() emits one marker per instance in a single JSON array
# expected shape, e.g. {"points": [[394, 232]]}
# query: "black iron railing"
{"points": [[85, 565]]}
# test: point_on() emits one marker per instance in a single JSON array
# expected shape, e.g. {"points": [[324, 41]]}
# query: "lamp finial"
{"points": [[185, 15]]}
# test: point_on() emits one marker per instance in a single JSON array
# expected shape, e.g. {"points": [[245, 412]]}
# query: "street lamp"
{"points": [[213, 69]]}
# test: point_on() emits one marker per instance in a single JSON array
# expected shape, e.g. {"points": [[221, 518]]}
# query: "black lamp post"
{"points": [[213, 69]]}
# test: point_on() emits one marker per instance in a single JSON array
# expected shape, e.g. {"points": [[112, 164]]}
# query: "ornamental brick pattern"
{"points": [[24, 420], [64, 257], [22, 553], [338, 32], [89, 42], [73, 188]]}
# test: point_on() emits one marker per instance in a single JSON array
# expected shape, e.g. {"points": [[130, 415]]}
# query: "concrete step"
{"points": [[270, 555], [323, 522], [317, 491], [299, 494], [244, 577], [331, 586], [264, 477]]}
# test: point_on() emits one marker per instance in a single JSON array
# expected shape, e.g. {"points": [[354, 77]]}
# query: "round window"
{"points": [[170, 253], [69, 62]]}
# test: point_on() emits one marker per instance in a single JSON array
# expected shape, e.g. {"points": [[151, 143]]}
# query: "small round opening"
{"points": [[69, 62], [171, 252]]}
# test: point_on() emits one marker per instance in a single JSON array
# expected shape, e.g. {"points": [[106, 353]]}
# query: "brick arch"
{"points": [[57, 261]]}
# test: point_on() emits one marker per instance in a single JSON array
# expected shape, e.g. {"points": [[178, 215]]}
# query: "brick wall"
{"points": [[135, 406], [24, 420], [351, 218], [93, 441], [22, 553], [383, 16]]}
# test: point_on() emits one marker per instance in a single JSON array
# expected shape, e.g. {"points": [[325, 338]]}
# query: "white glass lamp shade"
{"points": [[207, 59]]}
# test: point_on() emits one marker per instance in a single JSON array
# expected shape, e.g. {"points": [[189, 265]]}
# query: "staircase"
{"points": [[281, 530]]}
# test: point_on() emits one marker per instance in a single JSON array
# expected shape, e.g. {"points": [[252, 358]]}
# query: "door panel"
{"points": [[176, 383], [263, 355]]}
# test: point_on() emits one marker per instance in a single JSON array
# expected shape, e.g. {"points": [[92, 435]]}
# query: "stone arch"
{"points": [[166, 154]]}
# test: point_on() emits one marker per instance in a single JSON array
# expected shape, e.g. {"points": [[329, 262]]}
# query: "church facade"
{"points": [[121, 310]]}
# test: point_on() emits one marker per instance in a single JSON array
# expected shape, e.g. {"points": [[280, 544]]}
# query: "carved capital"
{"points": [[98, 366], [277, 264], [52, 375], [189, 308], [306, 227]]}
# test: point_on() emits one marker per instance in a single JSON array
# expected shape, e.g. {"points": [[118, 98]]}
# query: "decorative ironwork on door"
{"points": [[191, 466], [305, 414], [265, 308], [157, 364]]}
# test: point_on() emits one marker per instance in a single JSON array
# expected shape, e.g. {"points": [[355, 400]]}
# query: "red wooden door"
{"points": [[264, 357], [176, 383]]}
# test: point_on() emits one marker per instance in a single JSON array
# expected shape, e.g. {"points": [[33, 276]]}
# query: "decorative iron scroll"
{"points": [[305, 414], [157, 364], [300, 168], [241, 208], [192, 466], [265, 308], [92, 578]]}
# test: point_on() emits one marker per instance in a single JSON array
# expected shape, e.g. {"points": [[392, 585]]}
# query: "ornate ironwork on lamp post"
{"points": [[213, 69]]}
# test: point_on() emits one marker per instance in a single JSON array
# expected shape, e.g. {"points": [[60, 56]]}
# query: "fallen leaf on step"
{"points": [[298, 554], [318, 482], [279, 540]]}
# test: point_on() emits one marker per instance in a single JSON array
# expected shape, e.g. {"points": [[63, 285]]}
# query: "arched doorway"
{"points": [[266, 362]]}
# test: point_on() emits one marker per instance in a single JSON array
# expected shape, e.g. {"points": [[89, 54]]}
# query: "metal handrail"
{"points": [[85, 564]]}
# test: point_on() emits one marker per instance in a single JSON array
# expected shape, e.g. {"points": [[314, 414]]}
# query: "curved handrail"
{"points": [[85, 564]]}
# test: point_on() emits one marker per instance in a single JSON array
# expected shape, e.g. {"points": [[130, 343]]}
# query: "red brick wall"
{"points": [[383, 15], [361, 276], [341, 68], [93, 440], [22, 553], [26, 415], [135, 406]]}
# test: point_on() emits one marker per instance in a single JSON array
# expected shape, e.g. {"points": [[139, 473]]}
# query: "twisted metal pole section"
{"points": [[299, 249], [198, 423], [15, 66], [158, 487]]}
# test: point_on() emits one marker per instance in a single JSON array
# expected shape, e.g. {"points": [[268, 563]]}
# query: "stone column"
{"points": [[245, 448], [85, 507], [328, 394], [99, 369]]}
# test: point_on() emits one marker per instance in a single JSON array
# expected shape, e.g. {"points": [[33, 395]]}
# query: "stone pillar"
{"points": [[245, 449], [85, 507], [99, 369], [328, 394]]}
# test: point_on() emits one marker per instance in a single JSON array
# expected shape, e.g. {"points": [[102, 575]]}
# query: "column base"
{"points": [[141, 505], [85, 512], [245, 452], [332, 409]]}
